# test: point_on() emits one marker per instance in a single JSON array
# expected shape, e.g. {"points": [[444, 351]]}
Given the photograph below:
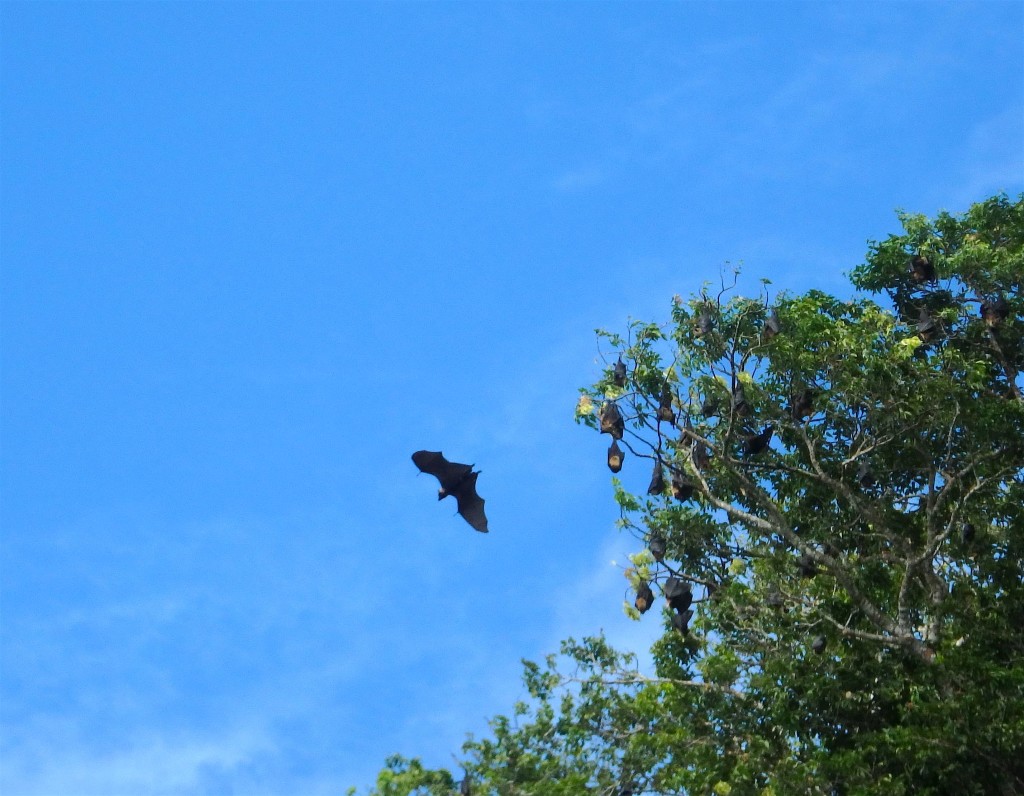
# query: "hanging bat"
{"points": [[665, 406], [995, 311], [758, 443], [458, 480], [921, 269], [644, 598], [927, 329], [705, 322], [619, 373], [740, 404], [657, 485], [615, 457], [801, 405], [611, 420]]}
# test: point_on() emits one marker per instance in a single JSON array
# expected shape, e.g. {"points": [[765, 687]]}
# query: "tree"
{"points": [[835, 519]]}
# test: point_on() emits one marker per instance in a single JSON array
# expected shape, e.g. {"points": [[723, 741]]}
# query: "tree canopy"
{"points": [[828, 507]]}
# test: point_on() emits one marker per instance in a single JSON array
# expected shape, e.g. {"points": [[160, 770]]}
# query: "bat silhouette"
{"points": [[458, 480]]}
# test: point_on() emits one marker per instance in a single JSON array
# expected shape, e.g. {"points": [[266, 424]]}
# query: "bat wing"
{"points": [[450, 474], [471, 505]]}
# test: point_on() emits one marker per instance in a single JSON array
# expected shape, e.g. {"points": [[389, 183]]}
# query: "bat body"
{"points": [[457, 480], [615, 457], [758, 443], [922, 270], [619, 373], [995, 311], [927, 329]]}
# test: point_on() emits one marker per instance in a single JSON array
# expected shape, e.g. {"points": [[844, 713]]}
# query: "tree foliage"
{"points": [[830, 497]]}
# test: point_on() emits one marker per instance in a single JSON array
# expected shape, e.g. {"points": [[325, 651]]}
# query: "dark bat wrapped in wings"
{"points": [[457, 480]]}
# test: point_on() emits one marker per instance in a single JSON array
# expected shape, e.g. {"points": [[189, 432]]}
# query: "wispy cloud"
{"points": [[54, 763], [592, 601], [993, 158]]}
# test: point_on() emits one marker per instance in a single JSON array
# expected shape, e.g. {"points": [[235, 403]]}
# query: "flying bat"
{"points": [[458, 480]]}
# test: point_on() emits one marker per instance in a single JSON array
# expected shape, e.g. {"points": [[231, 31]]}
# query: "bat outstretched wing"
{"points": [[471, 505], [450, 474]]}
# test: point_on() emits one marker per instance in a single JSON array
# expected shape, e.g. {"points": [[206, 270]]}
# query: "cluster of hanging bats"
{"points": [[459, 480], [678, 593]]}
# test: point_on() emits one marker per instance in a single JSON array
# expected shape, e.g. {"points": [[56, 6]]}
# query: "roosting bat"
{"points": [[922, 270], [458, 480]]}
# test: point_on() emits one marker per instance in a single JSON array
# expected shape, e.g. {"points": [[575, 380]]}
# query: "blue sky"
{"points": [[255, 255]]}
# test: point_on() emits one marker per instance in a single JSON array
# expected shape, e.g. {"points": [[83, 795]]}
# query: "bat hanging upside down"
{"points": [[458, 480]]}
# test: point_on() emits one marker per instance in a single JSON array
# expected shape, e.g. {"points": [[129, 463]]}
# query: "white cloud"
{"points": [[56, 764]]}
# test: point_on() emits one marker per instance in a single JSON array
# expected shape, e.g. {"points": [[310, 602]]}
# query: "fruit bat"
{"points": [[818, 645], [679, 594], [686, 440], [774, 599], [665, 406], [657, 547], [611, 420], [967, 533], [864, 475], [681, 622], [772, 325], [995, 311], [615, 457], [619, 373], [927, 329], [802, 406], [657, 485], [466, 786], [705, 323], [682, 488], [921, 269], [458, 480], [757, 443], [709, 408], [644, 598], [701, 457], [739, 401], [806, 567]]}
